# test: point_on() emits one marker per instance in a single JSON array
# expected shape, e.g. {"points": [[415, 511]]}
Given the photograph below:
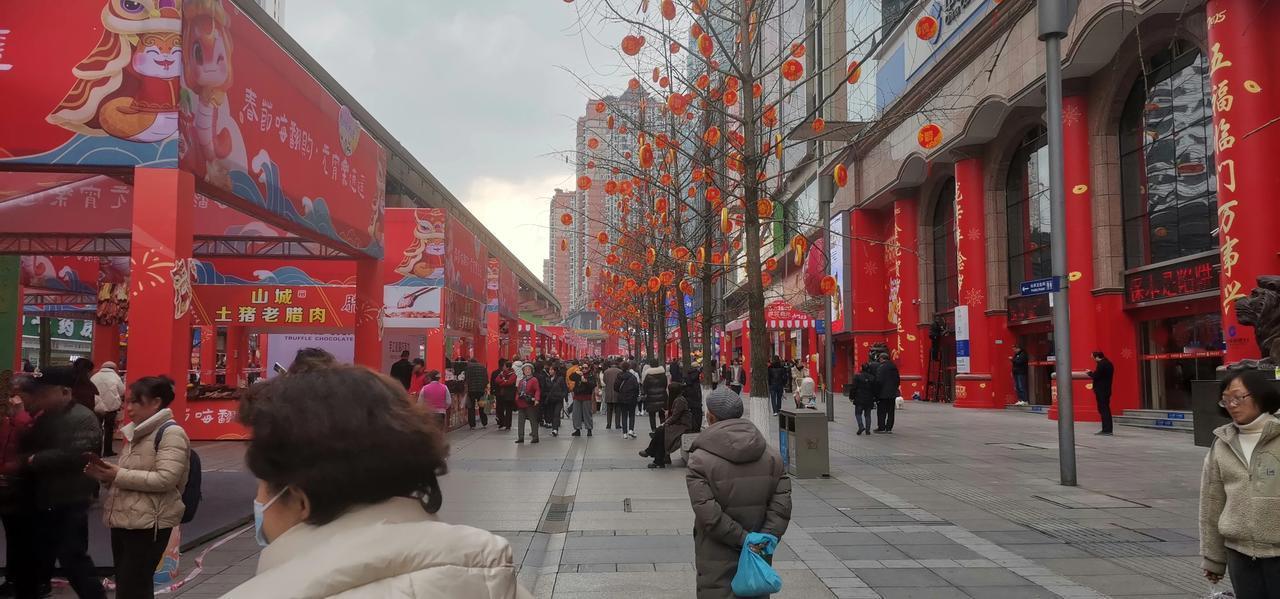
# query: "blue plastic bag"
{"points": [[755, 576]]}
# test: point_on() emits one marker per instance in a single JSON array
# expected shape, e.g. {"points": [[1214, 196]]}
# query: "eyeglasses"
{"points": [[1229, 401]]}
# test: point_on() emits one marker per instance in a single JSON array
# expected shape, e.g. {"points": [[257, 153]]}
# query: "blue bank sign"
{"points": [[923, 38], [1041, 286]]}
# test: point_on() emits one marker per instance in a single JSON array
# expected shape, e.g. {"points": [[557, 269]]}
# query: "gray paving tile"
{"points": [[865, 552], [980, 577], [840, 539], [913, 538], [597, 568], [1083, 566], [900, 577], [921, 593], [1125, 584], [1048, 550], [948, 551], [1017, 537], [1024, 592]]}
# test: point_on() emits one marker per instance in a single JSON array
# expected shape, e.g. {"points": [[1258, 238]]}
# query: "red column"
{"points": [[368, 333], [868, 287], [1245, 71], [160, 296], [208, 353], [106, 343], [435, 349], [1084, 309], [491, 350], [974, 389], [236, 345], [904, 294]]}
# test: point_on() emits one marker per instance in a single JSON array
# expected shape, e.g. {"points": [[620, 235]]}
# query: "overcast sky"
{"points": [[476, 89]]}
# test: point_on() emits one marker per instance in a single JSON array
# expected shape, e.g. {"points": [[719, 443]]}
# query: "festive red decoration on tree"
{"points": [[764, 208], [631, 44], [819, 125], [668, 8], [792, 70], [855, 72], [564, 245], [584, 182], [566, 219], [841, 175], [797, 50]]}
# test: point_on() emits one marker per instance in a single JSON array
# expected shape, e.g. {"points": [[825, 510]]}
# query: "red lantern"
{"points": [[654, 284], [612, 259], [828, 285], [855, 72], [770, 115], [926, 28], [680, 252], [636, 266], [600, 106], [566, 219], [632, 44], [771, 264], [593, 143], [650, 255], [819, 125], [797, 50], [667, 277], [584, 182], [712, 136], [730, 98], [705, 46], [841, 175], [792, 70], [646, 156], [929, 136], [764, 208], [686, 287]]}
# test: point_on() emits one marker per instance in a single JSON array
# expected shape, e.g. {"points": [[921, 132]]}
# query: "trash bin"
{"points": [[802, 441]]}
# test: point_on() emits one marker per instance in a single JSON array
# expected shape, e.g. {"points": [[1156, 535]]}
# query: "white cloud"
{"points": [[517, 212]]}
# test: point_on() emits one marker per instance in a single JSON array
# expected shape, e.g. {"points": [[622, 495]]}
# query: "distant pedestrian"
{"points": [[53, 467], [502, 385], [863, 393], [346, 503], [555, 390], [666, 439], [402, 370], [419, 377], [16, 512], [144, 497], [107, 403], [735, 376], [737, 485], [779, 376], [84, 392], [584, 394], [627, 388], [436, 399], [654, 381], [1102, 376], [693, 396], [889, 389], [528, 399], [1238, 508], [477, 381], [612, 414], [1020, 363]]}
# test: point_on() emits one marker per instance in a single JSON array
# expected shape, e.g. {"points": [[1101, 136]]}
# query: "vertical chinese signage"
{"points": [[256, 125], [464, 272], [492, 281], [413, 272]]}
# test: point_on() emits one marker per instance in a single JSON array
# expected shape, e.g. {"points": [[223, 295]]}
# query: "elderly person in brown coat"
{"points": [[737, 484]]}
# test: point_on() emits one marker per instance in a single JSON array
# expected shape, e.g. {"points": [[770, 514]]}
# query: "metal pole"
{"points": [[826, 194], [1058, 252]]}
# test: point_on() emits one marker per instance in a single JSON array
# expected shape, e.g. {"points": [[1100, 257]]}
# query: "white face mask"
{"points": [[259, 511]]}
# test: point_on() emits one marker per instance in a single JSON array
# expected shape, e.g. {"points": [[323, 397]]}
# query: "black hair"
{"points": [[1097, 353], [154, 387], [1261, 388], [311, 359], [404, 354], [419, 362], [345, 437]]}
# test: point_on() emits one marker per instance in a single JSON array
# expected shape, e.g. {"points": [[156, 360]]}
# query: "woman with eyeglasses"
{"points": [[1240, 489]]}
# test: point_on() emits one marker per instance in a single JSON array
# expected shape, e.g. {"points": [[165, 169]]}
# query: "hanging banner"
{"points": [[416, 247], [271, 136], [464, 272], [275, 306], [491, 285], [838, 255], [411, 307], [962, 339]]}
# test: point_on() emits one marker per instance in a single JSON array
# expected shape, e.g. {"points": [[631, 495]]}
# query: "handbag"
{"points": [[755, 576]]}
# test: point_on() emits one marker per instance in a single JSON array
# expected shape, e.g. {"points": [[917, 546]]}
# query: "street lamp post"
{"points": [[1054, 18], [826, 194]]}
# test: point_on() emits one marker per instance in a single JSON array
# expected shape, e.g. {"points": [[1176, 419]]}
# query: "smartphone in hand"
{"points": [[92, 458]]}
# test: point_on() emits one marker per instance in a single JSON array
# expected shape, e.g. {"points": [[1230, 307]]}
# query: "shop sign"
{"points": [[274, 306], [962, 339], [1026, 308], [63, 329], [839, 255], [1180, 279], [258, 126], [461, 313]]}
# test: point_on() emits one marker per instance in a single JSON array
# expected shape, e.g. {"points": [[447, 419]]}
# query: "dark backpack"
{"points": [[191, 492]]}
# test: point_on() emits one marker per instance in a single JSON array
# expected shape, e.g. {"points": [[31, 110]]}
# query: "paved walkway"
{"points": [[956, 503]]}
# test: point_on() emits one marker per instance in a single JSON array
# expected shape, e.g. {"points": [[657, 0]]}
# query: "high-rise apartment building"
{"points": [[564, 272]]}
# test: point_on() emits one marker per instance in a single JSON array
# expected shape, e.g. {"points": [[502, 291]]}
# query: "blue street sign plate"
{"points": [[1041, 286], [820, 327]]}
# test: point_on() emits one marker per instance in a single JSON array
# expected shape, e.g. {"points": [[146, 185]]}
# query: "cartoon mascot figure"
{"points": [[214, 137], [128, 86]]}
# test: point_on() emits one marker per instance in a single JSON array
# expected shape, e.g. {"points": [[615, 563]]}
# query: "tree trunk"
{"points": [[751, 162]]}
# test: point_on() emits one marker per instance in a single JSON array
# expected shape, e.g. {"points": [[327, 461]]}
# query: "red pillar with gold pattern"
{"points": [[368, 329], [974, 388], [1245, 71], [236, 347], [904, 294], [1079, 233], [868, 286], [106, 344], [162, 272]]}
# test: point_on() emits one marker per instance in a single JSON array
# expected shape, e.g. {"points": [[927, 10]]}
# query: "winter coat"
{"points": [[110, 391], [654, 380], [806, 390], [403, 371], [1239, 504], [865, 389], [529, 394], [377, 551], [737, 485], [56, 441], [889, 380], [627, 388], [476, 378], [1021, 362], [693, 397], [610, 379], [85, 393], [503, 384], [779, 376], [677, 424], [1102, 376], [554, 387], [12, 486], [147, 492], [584, 386]]}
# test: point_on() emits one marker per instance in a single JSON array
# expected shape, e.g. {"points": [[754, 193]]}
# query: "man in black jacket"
{"points": [[1102, 389], [403, 370], [887, 396], [477, 380], [1020, 363], [60, 493]]}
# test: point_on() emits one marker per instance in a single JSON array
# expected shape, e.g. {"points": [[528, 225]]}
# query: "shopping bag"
{"points": [[755, 576], [1220, 591], [167, 570]]}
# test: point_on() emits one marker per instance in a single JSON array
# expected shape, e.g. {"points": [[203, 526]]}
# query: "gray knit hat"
{"points": [[724, 403]]}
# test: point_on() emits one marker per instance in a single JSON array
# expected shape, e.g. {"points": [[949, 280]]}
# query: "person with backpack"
{"points": [[626, 388], [584, 383], [145, 499]]}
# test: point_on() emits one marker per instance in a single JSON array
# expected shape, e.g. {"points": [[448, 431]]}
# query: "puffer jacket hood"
{"points": [[737, 440]]}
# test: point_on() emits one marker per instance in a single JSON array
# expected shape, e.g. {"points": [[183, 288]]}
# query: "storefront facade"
{"points": [[954, 200]]}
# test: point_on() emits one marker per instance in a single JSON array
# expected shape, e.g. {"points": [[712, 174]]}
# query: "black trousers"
{"points": [[655, 417], [20, 549], [884, 413], [863, 416], [552, 412], [473, 406], [506, 407], [627, 417], [658, 447], [1254, 578], [108, 422], [62, 536], [1104, 410], [137, 553]]}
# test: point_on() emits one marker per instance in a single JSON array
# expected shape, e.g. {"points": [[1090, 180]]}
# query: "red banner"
{"points": [[461, 314], [415, 247], [508, 293], [463, 269], [271, 135], [94, 83], [275, 306], [492, 281]]}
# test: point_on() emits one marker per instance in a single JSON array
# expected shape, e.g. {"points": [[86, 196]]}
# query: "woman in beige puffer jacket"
{"points": [[144, 500]]}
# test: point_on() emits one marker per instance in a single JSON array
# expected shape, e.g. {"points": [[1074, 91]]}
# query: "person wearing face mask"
{"points": [[1239, 488], [346, 504], [144, 501]]}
